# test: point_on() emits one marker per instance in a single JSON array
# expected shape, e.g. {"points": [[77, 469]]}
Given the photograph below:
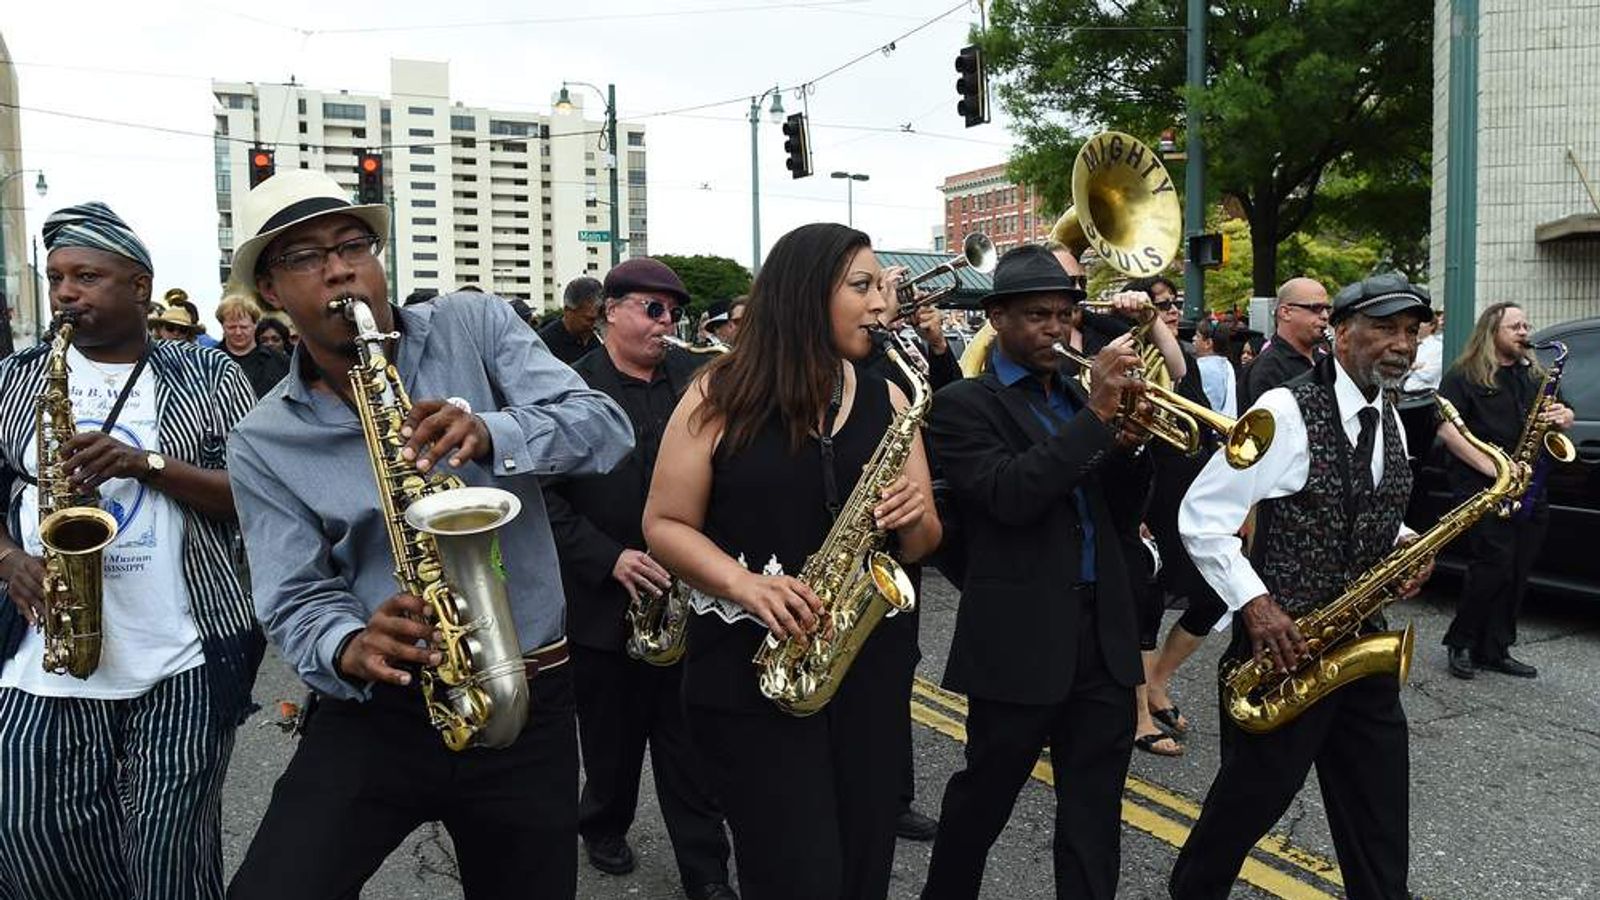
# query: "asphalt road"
{"points": [[1505, 776]]}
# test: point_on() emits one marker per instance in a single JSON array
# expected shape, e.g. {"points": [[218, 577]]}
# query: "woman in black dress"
{"points": [[739, 500]]}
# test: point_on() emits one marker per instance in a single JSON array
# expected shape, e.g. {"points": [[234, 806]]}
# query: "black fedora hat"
{"points": [[1032, 269]]}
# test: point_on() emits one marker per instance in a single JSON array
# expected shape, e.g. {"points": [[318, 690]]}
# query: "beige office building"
{"points": [[513, 202]]}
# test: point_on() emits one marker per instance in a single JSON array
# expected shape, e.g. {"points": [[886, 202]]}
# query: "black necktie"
{"points": [[1363, 461]]}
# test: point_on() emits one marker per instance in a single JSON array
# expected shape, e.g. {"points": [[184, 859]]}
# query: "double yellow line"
{"points": [[1275, 866]]}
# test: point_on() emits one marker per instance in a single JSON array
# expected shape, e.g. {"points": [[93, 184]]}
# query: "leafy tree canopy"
{"points": [[708, 278]]}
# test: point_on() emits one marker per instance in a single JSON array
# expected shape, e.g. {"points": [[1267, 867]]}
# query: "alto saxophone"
{"points": [[656, 625], [1537, 435], [857, 583], [1259, 698], [72, 529], [442, 536]]}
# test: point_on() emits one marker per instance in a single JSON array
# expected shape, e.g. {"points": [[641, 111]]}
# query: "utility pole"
{"points": [[1461, 180], [1194, 206], [616, 162]]}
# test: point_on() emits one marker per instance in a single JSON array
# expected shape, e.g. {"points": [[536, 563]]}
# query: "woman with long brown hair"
{"points": [[757, 458]]}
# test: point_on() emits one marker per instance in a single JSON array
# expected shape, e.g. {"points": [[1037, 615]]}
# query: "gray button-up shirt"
{"points": [[319, 551]]}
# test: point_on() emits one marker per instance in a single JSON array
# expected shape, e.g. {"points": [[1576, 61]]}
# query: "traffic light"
{"points": [[973, 86], [1209, 251], [261, 165], [797, 143], [369, 177]]}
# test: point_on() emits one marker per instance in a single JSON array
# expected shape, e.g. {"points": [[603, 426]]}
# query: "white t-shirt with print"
{"points": [[148, 631]]}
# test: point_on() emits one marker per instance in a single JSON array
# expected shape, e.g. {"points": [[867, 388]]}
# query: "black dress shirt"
{"points": [[1278, 363], [563, 344], [264, 367]]}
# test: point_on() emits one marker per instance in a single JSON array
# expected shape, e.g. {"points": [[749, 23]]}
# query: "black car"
{"points": [[1569, 562]]}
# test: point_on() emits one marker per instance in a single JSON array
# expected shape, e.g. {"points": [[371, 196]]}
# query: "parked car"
{"points": [[1569, 562]]}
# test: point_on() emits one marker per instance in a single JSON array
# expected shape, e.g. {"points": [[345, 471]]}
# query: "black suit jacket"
{"points": [[1011, 484], [595, 519]]}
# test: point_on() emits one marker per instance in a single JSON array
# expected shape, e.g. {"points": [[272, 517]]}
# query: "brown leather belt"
{"points": [[547, 657]]}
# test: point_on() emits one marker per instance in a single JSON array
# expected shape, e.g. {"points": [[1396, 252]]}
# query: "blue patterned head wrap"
{"points": [[95, 226]]}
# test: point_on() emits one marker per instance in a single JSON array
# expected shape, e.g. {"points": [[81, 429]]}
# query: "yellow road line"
{"points": [[1170, 831]]}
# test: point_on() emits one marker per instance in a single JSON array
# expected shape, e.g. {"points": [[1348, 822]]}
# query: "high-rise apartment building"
{"points": [[985, 200], [516, 203]]}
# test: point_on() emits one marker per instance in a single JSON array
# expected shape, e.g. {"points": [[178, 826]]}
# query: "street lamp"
{"points": [[5, 258], [775, 114], [564, 105], [850, 193]]}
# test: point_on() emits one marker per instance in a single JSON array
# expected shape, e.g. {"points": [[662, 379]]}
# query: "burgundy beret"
{"points": [[644, 275]]}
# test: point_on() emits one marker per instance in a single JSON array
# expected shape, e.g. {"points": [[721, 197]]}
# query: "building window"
{"points": [[463, 123], [422, 185], [636, 178], [383, 115], [425, 257], [423, 204], [423, 220], [510, 129], [422, 167], [466, 143], [420, 110], [422, 150], [300, 105], [635, 139], [238, 101], [425, 274], [420, 132], [426, 238], [344, 111]]}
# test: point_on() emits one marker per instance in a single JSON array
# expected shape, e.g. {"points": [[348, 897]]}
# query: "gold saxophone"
{"points": [[1540, 444], [657, 625], [442, 536], [856, 582], [1260, 699], [73, 530]]}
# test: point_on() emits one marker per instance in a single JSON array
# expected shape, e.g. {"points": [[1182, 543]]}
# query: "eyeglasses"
{"points": [[353, 253], [1164, 305], [1316, 309], [655, 309]]}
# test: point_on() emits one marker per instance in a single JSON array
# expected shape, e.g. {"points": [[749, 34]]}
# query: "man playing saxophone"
{"points": [[624, 702], [132, 746], [1496, 386], [1331, 489], [370, 768]]}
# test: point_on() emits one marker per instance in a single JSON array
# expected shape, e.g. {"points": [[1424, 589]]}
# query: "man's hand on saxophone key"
{"points": [[440, 429], [638, 573], [398, 632], [1274, 637]]}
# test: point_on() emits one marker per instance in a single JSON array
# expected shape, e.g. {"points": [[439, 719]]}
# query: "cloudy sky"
{"points": [[117, 101]]}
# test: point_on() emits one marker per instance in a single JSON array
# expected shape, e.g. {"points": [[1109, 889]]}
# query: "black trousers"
{"points": [[1179, 576], [622, 704], [1090, 736], [1356, 737], [367, 774], [1502, 554], [812, 801]]}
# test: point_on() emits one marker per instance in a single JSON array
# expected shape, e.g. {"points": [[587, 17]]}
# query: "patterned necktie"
{"points": [[1363, 458]]}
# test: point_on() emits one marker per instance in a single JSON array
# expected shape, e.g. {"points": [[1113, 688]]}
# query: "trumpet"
{"points": [[1177, 420], [977, 253]]}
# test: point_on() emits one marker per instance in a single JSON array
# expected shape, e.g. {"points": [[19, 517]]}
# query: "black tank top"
{"points": [[768, 510]]}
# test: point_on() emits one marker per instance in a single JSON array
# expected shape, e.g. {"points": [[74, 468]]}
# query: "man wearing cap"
{"points": [[1301, 314], [718, 322], [176, 319], [1329, 493], [624, 702], [1044, 644], [572, 335], [113, 782], [370, 768]]}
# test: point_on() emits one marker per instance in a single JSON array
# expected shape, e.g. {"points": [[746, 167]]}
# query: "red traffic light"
{"points": [[369, 163], [261, 159]]}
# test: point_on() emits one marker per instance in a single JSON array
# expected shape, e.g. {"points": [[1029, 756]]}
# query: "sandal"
{"points": [[1172, 720], [1147, 743]]}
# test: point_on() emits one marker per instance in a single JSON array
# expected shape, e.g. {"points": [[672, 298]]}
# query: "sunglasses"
{"points": [[1316, 309], [655, 309], [1164, 305]]}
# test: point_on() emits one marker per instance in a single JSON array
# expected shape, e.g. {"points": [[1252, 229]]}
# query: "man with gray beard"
{"points": [[1330, 493]]}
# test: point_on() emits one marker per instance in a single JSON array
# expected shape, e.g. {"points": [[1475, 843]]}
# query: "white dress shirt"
{"points": [[1219, 499], [1429, 367]]}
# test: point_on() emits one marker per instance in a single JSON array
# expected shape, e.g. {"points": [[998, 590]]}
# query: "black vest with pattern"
{"points": [[1307, 550]]}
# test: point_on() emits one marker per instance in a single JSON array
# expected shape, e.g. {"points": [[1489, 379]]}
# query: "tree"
{"points": [[709, 278], [1299, 93]]}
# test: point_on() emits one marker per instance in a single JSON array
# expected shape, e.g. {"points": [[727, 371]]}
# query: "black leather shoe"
{"points": [[611, 855], [1510, 666], [1461, 663], [914, 826], [715, 891]]}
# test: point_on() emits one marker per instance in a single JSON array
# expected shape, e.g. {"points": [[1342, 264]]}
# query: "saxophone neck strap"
{"points": [[116, 408], [830, 479]]}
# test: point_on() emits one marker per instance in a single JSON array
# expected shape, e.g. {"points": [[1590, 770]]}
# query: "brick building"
{"points": [[985, 200]]}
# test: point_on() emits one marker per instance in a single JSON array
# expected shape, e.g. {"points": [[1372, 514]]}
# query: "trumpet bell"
{"points": [[979, 252], [1249, 438]]}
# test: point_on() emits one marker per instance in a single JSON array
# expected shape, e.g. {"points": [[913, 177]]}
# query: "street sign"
{"points": [[595, 237]]}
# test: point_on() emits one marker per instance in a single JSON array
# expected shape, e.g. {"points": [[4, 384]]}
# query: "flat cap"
{"points": [[1381, 296], [644, 275]]}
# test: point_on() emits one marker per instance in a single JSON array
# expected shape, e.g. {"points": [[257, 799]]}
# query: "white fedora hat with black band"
{"points": [[285, 200]]}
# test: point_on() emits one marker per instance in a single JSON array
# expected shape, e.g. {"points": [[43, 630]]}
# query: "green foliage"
{"points": [[708, 278], [1308, 103]]}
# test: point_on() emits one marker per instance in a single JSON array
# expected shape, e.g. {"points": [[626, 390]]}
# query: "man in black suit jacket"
{"points": [[1044, 643], [623, 702]]}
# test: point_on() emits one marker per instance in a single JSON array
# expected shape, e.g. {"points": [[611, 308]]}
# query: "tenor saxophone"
{"points": [[72, 529], [1259, 698], [857, 582], [442, 534], [1540, 444]]}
